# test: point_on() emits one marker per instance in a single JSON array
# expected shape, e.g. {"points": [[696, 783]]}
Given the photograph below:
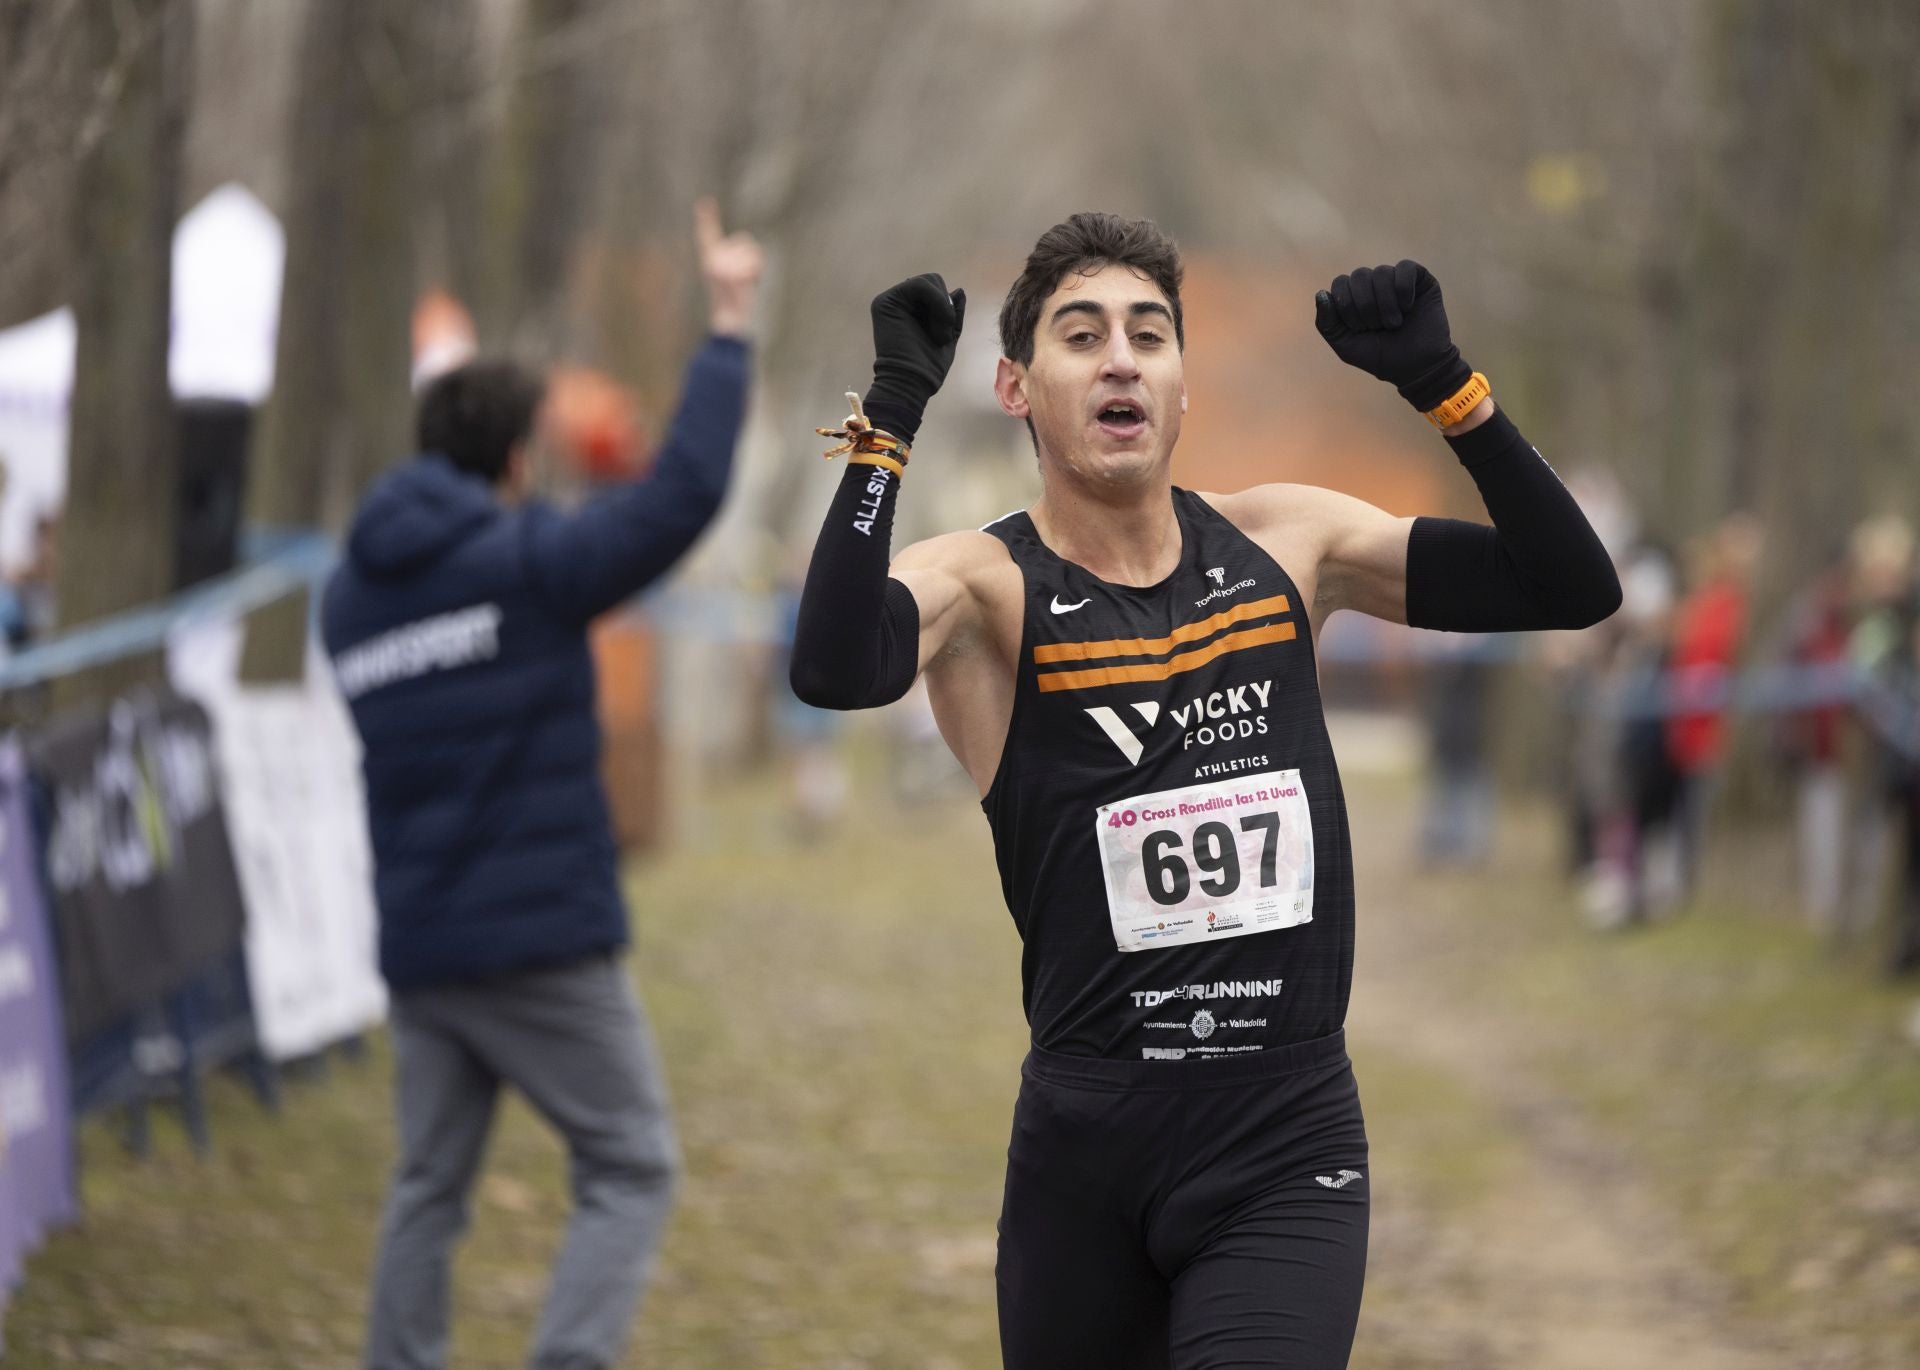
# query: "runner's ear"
{"points": [[1010, 388]]}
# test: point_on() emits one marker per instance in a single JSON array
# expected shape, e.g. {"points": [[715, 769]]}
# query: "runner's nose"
{"points": [[1118, 362]]}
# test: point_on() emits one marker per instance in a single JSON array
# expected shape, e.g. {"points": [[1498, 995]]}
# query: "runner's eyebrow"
{"points": [[1094, 307]]}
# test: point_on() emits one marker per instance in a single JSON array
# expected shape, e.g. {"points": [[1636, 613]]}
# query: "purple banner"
{"points": [[36, 1127]]}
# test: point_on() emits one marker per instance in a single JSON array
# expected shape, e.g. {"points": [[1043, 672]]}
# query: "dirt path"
{"points": [[1557, 1259]]}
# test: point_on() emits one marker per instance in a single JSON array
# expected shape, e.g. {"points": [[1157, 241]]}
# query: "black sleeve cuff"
{"points": [[1494, 438]]}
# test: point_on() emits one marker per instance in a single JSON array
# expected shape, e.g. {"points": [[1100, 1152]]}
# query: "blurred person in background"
{"points": [[1126, 670], [1709, 627], [13, 612], [1904, 950], [920, 768], [1576, 664], [1456, 827], [457, 624], [1884, 649], [35, 585], [1811, 742], [818, 781], [1622, 754], [1882, 552]]}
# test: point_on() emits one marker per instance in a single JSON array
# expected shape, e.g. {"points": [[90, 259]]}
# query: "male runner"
{"points": [[1126, 669]]}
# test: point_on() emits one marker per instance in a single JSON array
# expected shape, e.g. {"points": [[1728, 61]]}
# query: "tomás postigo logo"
{"points": [[1218, 575]]}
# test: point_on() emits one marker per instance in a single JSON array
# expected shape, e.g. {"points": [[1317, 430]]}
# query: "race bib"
{"points": [[1223, 859]]}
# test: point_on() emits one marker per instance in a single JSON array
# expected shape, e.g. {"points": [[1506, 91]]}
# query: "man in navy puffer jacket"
{"points": [[457, 625]]}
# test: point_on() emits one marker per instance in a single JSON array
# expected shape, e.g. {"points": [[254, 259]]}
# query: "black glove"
{"points": [[916, 325], [1389, 322]]}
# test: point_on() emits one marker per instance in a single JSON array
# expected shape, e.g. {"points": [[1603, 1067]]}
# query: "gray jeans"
{"points": [[574, 1041]]}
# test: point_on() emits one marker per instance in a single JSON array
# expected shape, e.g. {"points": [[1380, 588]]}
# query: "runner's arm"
{"points": [[862, 634], [1540, 564]]}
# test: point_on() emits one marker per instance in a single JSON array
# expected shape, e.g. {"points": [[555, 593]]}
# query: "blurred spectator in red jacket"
{"points": [[1709, 627]]}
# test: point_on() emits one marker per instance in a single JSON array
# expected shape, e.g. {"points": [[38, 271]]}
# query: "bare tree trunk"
{"points": [[44, 99], [117, 530], [339, 412], [542, 194], [453, 135]]}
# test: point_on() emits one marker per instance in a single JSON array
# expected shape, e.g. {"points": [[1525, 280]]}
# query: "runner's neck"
{"points": [[1137, 543]]}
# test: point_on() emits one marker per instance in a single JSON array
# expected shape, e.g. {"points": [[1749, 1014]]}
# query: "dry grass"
{"points": [[841, 1023]]}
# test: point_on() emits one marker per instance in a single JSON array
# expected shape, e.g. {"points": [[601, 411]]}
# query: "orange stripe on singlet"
{"points": [[1154, 646], [1160, 670]]}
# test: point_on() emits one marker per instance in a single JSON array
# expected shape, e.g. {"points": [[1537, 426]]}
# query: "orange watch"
{"points": [[1462, 404]]}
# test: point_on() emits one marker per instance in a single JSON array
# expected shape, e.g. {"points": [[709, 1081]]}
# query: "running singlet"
{"points": [[1167, 816]]}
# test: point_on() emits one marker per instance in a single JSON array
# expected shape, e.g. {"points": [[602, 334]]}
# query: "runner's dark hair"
{"points": [[1090, 239]]}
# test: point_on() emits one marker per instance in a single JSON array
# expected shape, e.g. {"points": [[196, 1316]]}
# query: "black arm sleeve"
{"points": [[857, 641], [1539, 566]]}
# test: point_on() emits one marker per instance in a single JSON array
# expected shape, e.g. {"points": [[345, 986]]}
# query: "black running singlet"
{"points": [[1167, 816]]}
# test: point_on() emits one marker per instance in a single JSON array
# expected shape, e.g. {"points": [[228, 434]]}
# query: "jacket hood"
{"points": [[415, 515]]}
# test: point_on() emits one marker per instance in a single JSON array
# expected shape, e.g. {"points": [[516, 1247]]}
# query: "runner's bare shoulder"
{"points": [[981, 565], [1264, 510], [975, 557]]}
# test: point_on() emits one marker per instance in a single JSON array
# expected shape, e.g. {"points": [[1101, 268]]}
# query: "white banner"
{"points": [[296, 816]]}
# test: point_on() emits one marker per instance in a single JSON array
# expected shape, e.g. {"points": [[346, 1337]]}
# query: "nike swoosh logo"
{"points": [[1060, 608]]}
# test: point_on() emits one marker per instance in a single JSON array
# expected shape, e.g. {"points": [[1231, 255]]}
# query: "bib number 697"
{"points": [[1215, 852]]}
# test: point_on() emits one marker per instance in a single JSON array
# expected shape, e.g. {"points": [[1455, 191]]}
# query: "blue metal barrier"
{"points": [[288, 562]]}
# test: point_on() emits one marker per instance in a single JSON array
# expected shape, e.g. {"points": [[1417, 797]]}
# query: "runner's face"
{"points": [[1106, 387]]}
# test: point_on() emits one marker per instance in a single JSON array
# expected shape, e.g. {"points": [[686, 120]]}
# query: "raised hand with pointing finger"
{"points": [[730, 264]]}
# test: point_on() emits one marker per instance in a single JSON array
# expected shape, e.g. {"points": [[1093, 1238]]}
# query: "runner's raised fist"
{"points": [[916, 327], [1391, 323]]}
